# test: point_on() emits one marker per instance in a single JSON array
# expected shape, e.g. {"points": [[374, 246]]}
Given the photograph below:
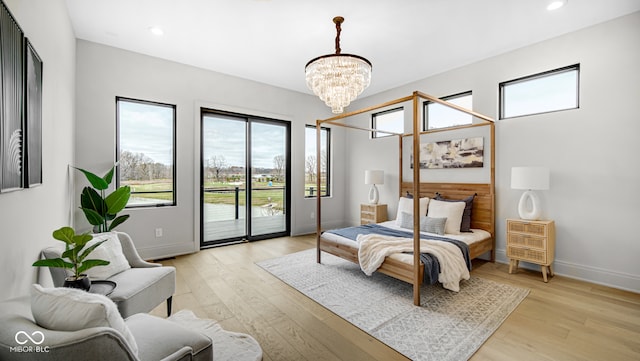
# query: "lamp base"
{"points": [[373, 194], [529, 206]]}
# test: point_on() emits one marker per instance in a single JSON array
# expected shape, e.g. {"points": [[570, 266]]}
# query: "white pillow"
{"points": [[72, 309], [452, 211], [111, 251], [406, 205]]}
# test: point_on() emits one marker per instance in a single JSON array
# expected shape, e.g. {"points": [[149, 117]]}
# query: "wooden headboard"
{"points": [[483, 212]]}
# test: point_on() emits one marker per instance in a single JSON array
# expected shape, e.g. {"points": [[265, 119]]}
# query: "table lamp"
{"points": [[373, 177], [530, 179]]}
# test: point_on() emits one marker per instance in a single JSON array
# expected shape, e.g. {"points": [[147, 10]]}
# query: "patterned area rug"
{"points": [[447, 326]]}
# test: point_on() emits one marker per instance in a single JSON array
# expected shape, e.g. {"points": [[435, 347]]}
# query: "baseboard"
{"points": [[311, 227], [160, 252], [596, 275]]}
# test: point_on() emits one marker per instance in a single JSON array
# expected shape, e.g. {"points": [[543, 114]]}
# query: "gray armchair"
{"points": [[139, 289], [156, 338]]}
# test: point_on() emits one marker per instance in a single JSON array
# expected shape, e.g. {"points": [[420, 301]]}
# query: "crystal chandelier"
{"points": [[338, 78]]}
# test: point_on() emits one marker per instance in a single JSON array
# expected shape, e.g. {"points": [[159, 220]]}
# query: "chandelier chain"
{"points": [[338, 20]]}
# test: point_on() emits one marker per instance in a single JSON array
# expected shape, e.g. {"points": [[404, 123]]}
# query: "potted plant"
{"points": [[74, 257], [101, 210]]}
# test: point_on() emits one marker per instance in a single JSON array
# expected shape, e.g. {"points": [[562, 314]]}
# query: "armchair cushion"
{"points": [[161, 339], [142, 289], [110, 250], [70, 309]]}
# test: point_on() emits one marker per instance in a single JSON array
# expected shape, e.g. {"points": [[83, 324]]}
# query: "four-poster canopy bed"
{"points": [[410, 268]]}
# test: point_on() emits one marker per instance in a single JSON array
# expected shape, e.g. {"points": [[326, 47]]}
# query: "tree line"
{"points": [[138, 166], [217, 168]]}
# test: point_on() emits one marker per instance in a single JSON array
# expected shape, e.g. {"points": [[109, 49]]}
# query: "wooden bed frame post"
{"points": [[318, 192], [416, 203]]}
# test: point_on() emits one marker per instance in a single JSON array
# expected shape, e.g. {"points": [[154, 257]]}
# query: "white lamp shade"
{"points": [[536, 178], [373, 177]]}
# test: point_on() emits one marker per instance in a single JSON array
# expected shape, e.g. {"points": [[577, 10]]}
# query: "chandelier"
{"points": [[338, 78]]}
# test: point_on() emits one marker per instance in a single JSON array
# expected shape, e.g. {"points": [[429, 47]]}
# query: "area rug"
{"points": [[446, 326], [227, 346]]}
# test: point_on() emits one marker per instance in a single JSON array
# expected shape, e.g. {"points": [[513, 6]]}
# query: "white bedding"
{"points": [[476, 236], [374, 248]]}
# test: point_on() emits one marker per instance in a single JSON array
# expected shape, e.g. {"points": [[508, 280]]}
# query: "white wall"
{"points": [[28, 217], [591, 151], [105, 72]]}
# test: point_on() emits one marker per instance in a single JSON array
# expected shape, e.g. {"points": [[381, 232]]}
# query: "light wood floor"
{"points": [[564, 319]]}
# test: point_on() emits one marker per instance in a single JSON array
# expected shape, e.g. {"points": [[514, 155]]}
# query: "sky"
{"points": [[148, 129], [224, 136]]}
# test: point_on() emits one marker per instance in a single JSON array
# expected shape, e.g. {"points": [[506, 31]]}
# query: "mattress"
{"points": [[469, 238]]}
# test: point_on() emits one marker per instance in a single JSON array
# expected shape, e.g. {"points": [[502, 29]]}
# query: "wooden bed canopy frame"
{"points": [[483, 213]]}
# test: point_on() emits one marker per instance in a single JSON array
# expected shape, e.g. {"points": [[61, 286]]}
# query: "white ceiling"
{"points": [[270, 41]]}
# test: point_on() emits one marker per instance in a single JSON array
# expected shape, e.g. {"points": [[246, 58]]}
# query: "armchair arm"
{"points": [[130, 252]]}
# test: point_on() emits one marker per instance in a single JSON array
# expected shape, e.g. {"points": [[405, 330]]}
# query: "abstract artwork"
{"points": [[458, 153], [11, 102]]}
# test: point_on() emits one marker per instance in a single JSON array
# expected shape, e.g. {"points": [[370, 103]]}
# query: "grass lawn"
{"points": [[221, 193]]}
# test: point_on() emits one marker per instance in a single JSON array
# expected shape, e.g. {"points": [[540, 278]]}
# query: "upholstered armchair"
{"points": [[83, 326], [140, 286]]}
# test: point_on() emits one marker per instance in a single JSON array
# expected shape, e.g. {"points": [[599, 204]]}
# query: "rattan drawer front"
{"points": [[373, 213], [369, 208], [526, 240], [530, 228], [527, 254]]}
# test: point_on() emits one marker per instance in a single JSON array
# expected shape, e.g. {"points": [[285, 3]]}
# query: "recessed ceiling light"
{"points": [[156, 31], [556, 4]]}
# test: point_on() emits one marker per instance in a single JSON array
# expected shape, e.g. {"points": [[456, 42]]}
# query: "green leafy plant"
{"points": [[75, 255], [101, 210]]}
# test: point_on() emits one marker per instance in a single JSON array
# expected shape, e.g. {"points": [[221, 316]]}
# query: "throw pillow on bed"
{"points": [[465, 224], [406, 205], [427, 224], [452, 211], [433, 225]]}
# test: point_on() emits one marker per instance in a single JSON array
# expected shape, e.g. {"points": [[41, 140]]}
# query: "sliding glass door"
{"points": [[244, 178]]}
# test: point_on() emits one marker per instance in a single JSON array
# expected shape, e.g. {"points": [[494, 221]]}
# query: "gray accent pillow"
{"points": [[405, 220], [433, 225], [427, 224]]}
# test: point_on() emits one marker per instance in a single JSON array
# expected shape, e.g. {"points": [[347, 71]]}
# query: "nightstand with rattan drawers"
{"points": [[531, 241], [373, 213]]}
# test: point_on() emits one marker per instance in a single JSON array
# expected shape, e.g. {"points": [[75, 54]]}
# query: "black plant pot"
{"points": [[83, 282]]}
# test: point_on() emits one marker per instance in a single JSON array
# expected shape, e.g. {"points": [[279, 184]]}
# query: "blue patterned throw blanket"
{"points": [[431, 264]]}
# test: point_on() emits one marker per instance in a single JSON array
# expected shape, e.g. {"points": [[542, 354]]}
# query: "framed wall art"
{"points": [[11, 102], [458, 153], [33, 117]]}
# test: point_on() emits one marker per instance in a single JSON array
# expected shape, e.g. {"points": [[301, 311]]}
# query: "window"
{"points": [[311, 165], [146, 151], [390, 120], [438, 116], [540, 93]]}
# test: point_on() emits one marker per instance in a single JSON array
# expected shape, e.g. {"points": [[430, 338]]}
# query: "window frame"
{"points": [[374, 134], [328, 171], [544, 74], [173, 155], [425, 112]]}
